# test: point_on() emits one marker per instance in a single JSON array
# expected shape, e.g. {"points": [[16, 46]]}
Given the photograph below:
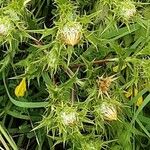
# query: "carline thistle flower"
{"points": [[104, 84], [68, 118], [3, 29], [127, 10], [71, 33], [108, 111], [5, 26]]}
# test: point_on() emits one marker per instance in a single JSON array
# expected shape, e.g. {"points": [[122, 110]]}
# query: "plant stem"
{"points": [[3, 142], [8, 138], [99, 62]]}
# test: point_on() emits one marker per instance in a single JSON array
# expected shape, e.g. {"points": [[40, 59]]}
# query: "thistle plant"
{"points": [[74, 75]]}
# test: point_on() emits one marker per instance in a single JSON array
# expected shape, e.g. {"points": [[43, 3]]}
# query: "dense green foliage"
{"points": [[75, 74]]}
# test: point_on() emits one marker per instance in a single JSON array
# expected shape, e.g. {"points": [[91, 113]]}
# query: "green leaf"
{"points": [[145, 102], [143, 128]]}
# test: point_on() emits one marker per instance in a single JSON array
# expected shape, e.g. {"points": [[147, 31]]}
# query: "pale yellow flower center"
{"points": [[68, 118], [109, 112], [71, 34]]}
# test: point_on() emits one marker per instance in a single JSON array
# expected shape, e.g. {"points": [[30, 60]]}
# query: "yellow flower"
{"points": [[115, 69], [21, 88], [128, 93]]}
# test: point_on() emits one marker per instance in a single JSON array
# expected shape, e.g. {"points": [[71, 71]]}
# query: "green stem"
{"points": [[8, 138], [99, 62], [3, 142]]}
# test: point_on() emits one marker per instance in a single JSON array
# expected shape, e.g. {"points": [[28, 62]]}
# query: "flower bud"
{"points": [[5, 26], [127, 10], [70, 34], [108, 111], [3, 29], [68, 118], [21, 88]]}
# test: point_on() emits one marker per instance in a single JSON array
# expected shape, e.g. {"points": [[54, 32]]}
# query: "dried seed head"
{"points": [[127, 10], [69, 118], [104, 84], [70, 34], [108, 111]]}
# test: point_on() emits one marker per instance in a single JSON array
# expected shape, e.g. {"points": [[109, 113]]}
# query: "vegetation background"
{"points": [[75, 74]]}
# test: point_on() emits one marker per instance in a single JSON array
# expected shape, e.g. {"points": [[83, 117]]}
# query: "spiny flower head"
{"points": [[127, 10], [68, 118], [108, 111], [104, 84], [5, 26], [71, 33], [3, 29]]}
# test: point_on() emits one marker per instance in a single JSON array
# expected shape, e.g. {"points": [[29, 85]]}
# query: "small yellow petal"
{"points": [[139, 101], [21, 88], [115, 69], [129, 93], [135, 92]]}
